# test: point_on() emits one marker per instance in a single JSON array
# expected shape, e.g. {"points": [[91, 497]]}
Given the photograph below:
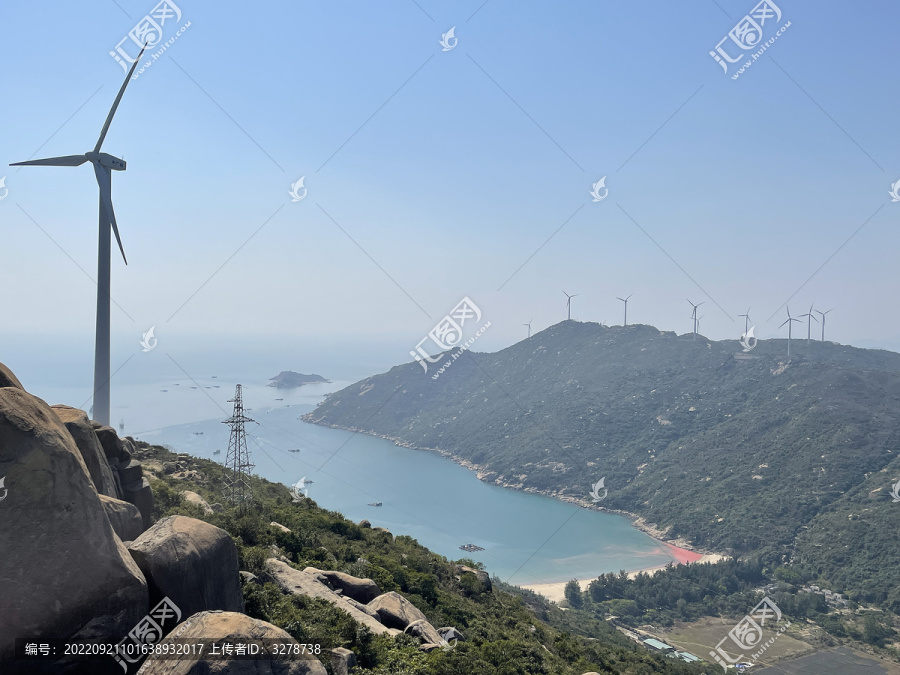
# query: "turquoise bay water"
{"points": [[528, 539]]}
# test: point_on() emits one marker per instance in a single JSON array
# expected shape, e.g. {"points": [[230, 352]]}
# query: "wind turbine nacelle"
{"points": [[106, 160]]}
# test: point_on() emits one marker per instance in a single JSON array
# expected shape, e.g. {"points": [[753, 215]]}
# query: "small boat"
{"points": [[198, 433], [217, 452], [193, 387], [164, 390], [375, 504], [121, 425], [214, 376], [471, 548], [215, 386], [279, 399], [294, 450]]}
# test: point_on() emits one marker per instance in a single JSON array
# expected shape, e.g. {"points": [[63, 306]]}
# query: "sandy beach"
{"points": [[556, 591]]}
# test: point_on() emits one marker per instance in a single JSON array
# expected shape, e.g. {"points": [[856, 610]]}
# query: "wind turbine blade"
{"points": [[104, 180], [67, 160], [786, 320], [116, 104]]}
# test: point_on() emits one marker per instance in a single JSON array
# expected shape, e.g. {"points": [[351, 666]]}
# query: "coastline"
{"points": [[681, 550], [555, 592]]}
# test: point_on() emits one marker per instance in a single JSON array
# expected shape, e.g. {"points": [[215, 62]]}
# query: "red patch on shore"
{"points": [[682, 555]]}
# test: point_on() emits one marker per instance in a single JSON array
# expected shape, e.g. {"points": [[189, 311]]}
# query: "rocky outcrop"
{"points": [[483, 576], [342, 660], [297, 582], [79, 426], [193, 563], [279, 527], [423, 630], [125, 518], [226, 627], [7, 379], [141, 495], [68, 574], [395, 610], [192, 497], [361, 590]]}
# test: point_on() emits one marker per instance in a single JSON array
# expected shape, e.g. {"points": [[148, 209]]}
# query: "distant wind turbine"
{"points": [[529, 327], [746, 320], [698, 323], [625, 300], [694, 316], [809, 320], [569, 302], [788, 322], [823, 321], [104, 165]]}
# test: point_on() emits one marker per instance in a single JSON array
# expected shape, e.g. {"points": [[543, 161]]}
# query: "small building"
{"points": [[657, 645], [688, 657]]}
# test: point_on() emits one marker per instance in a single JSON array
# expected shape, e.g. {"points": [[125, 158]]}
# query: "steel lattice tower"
{"points": [[237, 488]]}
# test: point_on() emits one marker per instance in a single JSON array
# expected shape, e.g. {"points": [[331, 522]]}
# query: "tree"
{"points": [[573, 594]]}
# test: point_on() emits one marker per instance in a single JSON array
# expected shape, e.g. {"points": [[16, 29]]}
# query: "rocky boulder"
{"points": [[226, 627], [125, 518], [342, 660], [194, 563], [79, 426], [140, 494], [109, 440], [396, 611], [192, 497], [297, 582], [423, 630], [68, 574], [483, 576], [7, 379], [361, 590]]}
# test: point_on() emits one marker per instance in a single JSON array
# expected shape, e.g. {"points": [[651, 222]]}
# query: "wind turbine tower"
{"points": [[809, 320], [694, 316], [746, 320], [104, 165], [788, 321], [238, 460], [569, 303], [823, 321], [529, 327], [625, 300]]}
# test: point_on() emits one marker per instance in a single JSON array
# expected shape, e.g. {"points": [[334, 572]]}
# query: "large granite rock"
{"points": [[427, 633], [78, 424], [7, 379], [226, 627], [483, 576], [64, 572], [361, 590], [109, 440], [194, 563], [396, 611], [297, 582], [342, 661], [125, 518], [141, 495], [192, 497]]}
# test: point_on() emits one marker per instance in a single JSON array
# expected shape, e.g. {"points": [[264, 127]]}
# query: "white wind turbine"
{"points": [[104, 165]]}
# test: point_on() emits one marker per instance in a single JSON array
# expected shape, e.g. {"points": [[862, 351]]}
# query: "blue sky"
{"points": [[434, 175]]}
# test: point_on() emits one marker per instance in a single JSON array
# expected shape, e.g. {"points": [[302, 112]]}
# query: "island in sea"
{"points": [[288, 379]]}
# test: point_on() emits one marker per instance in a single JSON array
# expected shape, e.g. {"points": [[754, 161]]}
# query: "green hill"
{"points": [[734, 452], [506, 632]]}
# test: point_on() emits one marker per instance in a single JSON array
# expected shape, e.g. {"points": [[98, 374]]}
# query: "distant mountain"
{"points": [[288, 379], [728, 450]]}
